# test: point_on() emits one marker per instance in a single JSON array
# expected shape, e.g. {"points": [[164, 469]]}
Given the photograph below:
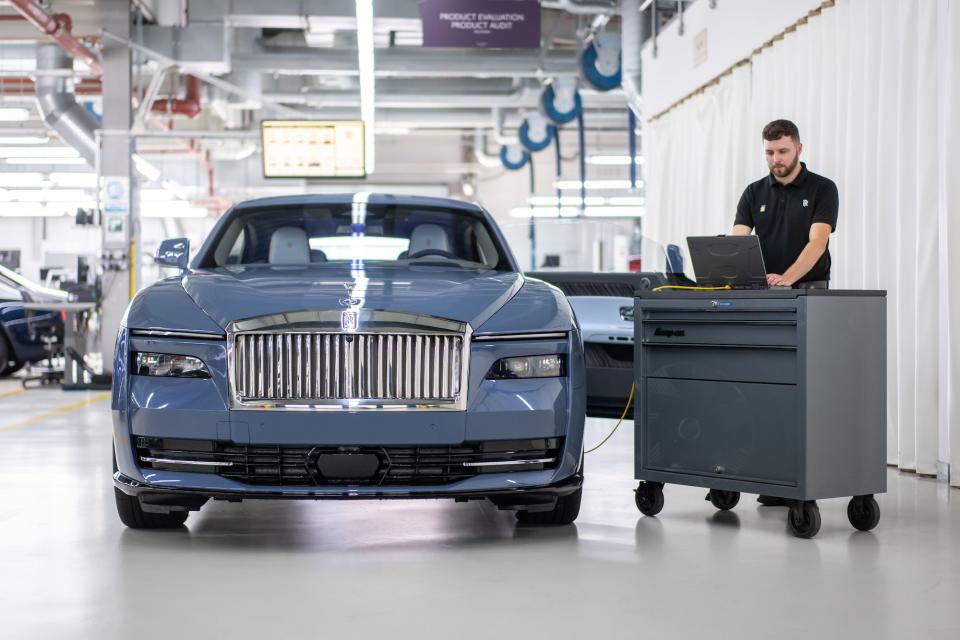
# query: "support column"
{"points": [[120, 228]]}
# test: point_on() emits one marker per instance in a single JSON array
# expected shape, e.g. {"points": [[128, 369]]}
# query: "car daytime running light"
{"points": [[550, 366], [169, 365]]}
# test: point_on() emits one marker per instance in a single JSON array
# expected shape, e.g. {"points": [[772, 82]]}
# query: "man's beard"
{"points": [[783, 173]]}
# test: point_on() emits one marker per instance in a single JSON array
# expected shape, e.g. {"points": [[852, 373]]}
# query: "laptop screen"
{"points": [[735, 261]]}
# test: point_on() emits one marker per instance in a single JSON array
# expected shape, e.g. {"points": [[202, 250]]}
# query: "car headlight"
{"points": [[169, 365], [527, 367]]}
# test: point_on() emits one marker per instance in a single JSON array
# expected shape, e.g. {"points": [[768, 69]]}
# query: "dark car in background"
{"points": [[27, 335]]}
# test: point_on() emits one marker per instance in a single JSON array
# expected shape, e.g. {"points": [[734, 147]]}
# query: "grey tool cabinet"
{"points": [[774, 392]]}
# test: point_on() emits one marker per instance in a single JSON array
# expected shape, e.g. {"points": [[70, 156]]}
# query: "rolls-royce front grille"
{"points": [[321, 367], [383, 466]]}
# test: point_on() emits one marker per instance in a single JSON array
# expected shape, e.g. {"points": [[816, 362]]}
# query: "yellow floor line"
{"points": [[56, 412], [7, 394]]}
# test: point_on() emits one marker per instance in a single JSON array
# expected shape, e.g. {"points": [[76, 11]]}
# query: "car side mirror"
{"points": [[174, 252]]}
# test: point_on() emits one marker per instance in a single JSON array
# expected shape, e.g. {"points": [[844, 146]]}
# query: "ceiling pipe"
{"points": [[630, 53], [58, 26], [188, 106], [58, 106]]}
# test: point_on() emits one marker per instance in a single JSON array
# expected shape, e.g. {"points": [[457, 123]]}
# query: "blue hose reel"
{"points": [[600, 73], [536, 133], [549, 99], [514, 157]]}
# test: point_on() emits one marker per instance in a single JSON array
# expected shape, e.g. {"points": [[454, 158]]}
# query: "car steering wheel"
{"points": [[432, 252]]}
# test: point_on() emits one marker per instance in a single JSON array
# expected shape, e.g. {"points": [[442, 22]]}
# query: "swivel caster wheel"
{"points": [[649, 498], [723, 500], [804, 519], [863, 512]]}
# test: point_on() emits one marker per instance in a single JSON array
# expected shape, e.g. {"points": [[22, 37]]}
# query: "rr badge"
{"points": [[349, 320]]}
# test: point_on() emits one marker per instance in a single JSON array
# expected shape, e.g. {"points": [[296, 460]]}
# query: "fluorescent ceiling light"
{"points": [[38, 152], [367, 80], [33, 210], [31, 160], [544, 212], [24, 140], [156, 195], [614, 212], [21, 179], [46, 195], [594, 184], [175, 209], [626, 201], [73, 179], [570, 201], [14, 114], [573, 212], [613, 159]]}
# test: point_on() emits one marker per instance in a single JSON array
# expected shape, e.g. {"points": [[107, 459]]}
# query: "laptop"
{"points": [[728, 260]]}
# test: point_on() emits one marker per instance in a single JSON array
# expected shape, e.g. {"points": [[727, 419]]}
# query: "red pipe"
{"points": [[188, 106], [58, 26], [25, 86]]}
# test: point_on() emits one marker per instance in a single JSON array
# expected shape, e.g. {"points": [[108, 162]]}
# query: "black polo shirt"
{"points": [[781, 215]]}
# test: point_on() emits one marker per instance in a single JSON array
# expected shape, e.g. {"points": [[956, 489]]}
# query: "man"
{"points": [[793, 211]]}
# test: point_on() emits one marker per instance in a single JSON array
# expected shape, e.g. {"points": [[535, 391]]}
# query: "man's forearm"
{"points": [[805, 261]]}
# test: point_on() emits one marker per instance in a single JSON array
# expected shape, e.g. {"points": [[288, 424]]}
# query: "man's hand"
{"points": [[777, 280]]}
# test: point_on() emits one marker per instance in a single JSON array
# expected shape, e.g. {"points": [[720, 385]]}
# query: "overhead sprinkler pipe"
{"points": [[58, 26], [188, 106]]}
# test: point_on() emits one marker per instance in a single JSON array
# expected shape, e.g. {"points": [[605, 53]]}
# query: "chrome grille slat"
{"points": [[318, 367]]}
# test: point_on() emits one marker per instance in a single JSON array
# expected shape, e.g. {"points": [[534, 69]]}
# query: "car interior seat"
{"points": [[289, 245], [427, 236]]}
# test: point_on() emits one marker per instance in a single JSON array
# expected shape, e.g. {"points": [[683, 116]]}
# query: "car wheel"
{"points": [[5, 366], [133, 515], [564, 512]]}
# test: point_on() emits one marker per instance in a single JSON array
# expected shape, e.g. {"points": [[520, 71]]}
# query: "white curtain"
{"points": [[874, 87]]}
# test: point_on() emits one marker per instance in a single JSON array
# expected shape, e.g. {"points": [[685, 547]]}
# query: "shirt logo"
{"points": [[806, 202], [763, 208]]}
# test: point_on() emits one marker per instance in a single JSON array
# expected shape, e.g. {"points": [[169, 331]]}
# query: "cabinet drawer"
{"points": [[723, 332], [721, 363], [740, 430]]}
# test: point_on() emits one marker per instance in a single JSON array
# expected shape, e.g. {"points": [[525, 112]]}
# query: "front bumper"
{"points": [[505, 497]]}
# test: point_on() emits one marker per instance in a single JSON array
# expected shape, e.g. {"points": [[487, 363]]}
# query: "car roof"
{"points": [[347, 198]]}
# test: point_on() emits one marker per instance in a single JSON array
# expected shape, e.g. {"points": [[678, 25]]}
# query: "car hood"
{"points": [[227, 294]]}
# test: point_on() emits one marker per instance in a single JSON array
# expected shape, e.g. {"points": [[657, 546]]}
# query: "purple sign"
{"points": [[485, 24]]}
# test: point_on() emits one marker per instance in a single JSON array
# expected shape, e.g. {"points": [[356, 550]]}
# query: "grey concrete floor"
{"points": [[436, 569]]}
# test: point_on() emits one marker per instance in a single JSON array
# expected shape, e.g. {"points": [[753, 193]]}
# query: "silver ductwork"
{"points": [[630, 53], [58, 105]]}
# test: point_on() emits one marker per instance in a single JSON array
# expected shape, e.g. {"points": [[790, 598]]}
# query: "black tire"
{"points": [[649, 498], [564, 512], [804, 519], [12, 369], [724, 500], [5, 356], [133, 515], [863, 512]]}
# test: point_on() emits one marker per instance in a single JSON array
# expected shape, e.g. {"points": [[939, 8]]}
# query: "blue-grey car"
{"points": [[348, 347]]}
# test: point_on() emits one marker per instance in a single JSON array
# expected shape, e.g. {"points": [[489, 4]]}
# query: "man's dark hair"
{"points": [[779, 128]]}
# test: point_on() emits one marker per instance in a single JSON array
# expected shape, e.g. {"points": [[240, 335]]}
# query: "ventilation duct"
{"points": [[58, 106], [630, 37]]}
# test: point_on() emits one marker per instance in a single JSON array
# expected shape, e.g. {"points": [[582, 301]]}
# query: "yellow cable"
{"points": [[676, 286], [622, 416]]}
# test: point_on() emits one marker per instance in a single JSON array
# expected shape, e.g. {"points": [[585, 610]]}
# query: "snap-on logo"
{"points": [[670, 333]]}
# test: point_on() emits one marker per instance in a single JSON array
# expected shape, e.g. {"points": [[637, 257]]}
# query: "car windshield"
{"points": [[350, 232]]}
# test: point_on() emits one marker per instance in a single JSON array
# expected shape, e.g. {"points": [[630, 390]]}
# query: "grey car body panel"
{"points": [[492, 302]]}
